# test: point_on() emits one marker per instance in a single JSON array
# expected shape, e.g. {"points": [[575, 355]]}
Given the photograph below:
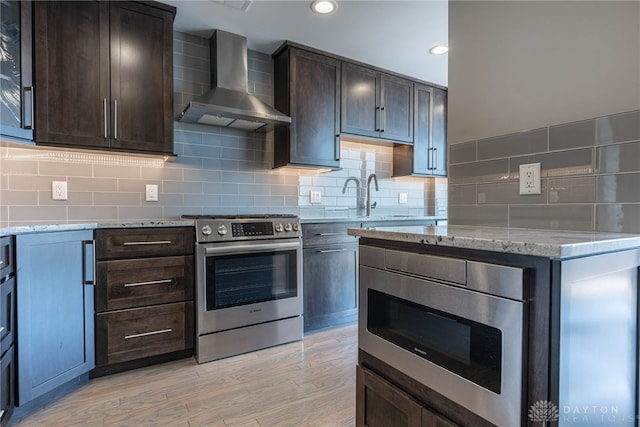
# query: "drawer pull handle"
{"points": [[331, 234], [158, 242], [326, 251], [146, 334], [153, 282]]}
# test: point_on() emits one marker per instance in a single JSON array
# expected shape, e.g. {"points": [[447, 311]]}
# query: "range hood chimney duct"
{"points": [[229, 103]]}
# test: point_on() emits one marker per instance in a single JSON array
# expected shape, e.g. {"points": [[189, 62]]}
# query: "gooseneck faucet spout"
{"points": [[375, 180], [358, 183]]}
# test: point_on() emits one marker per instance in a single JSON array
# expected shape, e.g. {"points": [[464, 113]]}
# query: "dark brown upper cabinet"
{"points": [[376, 105], [104, 75], [307, 88], [16, 108], [428, 154]]}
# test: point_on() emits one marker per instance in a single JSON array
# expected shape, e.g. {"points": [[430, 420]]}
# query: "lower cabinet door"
{"points": [[55, 311], [7, 385], [380, 404], [131, 334]]}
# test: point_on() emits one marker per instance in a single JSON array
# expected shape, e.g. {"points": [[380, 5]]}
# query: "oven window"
{"points": [[233, 280], [467, 348]]}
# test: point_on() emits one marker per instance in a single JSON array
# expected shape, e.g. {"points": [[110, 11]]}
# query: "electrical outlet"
{"points": [[402, 198], [151, 193], [530, 179], [59, 190], [315, 197]]}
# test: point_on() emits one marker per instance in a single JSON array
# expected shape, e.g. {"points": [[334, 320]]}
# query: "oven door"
{"points": [[246, 283], [465, 345]]}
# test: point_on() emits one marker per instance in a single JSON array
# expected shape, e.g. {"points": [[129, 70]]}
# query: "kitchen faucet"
{"points": [[375, 180], [358, 191]]}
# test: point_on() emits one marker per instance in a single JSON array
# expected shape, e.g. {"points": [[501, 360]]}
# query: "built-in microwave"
{"points": [[456, 326]]}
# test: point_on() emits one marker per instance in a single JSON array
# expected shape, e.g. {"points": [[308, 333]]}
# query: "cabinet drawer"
{"points": [[443, 268], [6, 256], [143, 242], [141, 332], [7, 314], [322, 234], [141, 282]]}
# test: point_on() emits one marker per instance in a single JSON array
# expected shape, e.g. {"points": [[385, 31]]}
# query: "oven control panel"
{"points": [[247, 229]]}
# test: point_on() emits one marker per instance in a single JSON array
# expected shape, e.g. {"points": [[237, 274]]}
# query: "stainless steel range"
{"points": [[248, 283]]}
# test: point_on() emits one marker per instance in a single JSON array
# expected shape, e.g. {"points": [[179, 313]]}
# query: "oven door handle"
{"points": [[256, 247]]}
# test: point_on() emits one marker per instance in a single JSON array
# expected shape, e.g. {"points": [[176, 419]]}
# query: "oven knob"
{"points": [[287, 227], [278, 228], [222, 230], [206, 230], [295, 226]]}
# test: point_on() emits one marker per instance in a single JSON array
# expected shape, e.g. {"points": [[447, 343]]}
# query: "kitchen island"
{"points": [[481, 326]]}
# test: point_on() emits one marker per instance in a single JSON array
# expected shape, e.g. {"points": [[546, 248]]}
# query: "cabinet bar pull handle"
{"points": [[115, 119], [383, 119], [89, 262], [330, 234], [146, 334], [336, 147], [1, 329], [326, 251], [104, 113], [158, 242], [27, 123], [435, 157], [153, 282], [378, 119]]}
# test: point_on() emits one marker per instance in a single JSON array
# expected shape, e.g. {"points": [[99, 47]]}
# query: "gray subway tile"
{"points": [[618, 158], [491, 216], [552, 217], [620, 188], [484, 171], [618, 128], [24, 214], [139, 213], [572, 190], [463, 152], [116, 199], [572, 135], [516, 144], [557, 163], [188, 38], [618, 218], [503, 193], [462, 194]]}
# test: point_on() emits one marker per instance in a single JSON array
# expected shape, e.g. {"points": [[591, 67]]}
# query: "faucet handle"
{"points": [[373, 205]]}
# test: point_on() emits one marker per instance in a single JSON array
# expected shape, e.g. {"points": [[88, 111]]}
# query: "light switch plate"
{"points": [[402, 198], [315, 197], [59, 190], [530, 179], [151, 193]]}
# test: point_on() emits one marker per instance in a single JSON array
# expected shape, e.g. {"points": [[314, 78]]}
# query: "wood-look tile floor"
{"points": [[306, 383]]}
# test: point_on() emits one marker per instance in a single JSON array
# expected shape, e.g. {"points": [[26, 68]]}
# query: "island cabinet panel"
{"points": [[307, 87], [144, 297], [103, 73], [7, 328], [376, 104], [55, 310]]}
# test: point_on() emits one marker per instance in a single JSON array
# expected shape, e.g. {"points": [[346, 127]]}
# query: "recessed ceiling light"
{"points": [[439, 50], [324, 7]]}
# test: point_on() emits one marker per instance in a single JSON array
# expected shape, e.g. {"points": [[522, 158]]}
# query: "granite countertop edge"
{"points": [[381, 218], [548, 244], [44, 228]]}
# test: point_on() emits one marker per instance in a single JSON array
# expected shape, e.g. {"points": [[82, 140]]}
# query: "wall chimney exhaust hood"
{"points": [[228, 103]]}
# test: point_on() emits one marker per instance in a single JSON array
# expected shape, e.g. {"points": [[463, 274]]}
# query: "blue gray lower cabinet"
{"points": [[55, 311]]}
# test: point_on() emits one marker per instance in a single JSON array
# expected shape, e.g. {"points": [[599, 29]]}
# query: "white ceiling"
{"points": [[393, 34]]}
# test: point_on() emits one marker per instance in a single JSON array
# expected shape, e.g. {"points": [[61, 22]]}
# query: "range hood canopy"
{"points": [[229, 103]]}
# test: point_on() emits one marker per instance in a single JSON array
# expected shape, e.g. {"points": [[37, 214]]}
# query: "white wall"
{"points": [[519, 65]]}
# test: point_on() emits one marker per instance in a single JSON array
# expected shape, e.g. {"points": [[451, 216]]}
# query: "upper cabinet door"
{"points": [[361, 113], [397, 108], [439, 141], [16, 108], [141, 78], [103, 75], [72, 72], [376, 105]]}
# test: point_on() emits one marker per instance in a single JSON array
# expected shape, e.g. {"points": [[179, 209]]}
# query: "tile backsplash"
{"points": [[217, 170], [590, 177]]}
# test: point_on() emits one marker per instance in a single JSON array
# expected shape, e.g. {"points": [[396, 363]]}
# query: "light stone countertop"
{"points": [[551, 244], [374, 218], [44, 228]]}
